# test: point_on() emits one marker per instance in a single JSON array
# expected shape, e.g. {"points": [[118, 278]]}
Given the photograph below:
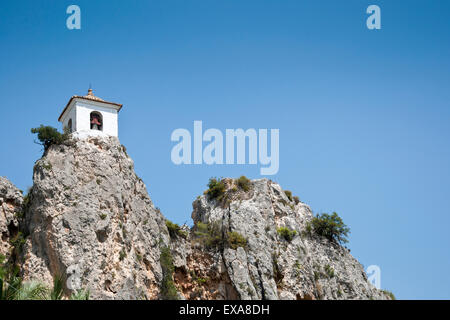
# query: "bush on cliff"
{"points": [[286, 233], [209, 235], [244, 183], [216, 189], [212, 236], [389, 293], [48, 136], [329, 226], [168, 289], [288, 194], [175, 230], [236, 240]]}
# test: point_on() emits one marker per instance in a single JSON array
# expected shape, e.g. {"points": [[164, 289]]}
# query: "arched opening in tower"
{"points": [[96, 121]]}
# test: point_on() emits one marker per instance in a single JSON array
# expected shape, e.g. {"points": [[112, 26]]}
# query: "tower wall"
{"points": [[83, 113], [71, 114]]}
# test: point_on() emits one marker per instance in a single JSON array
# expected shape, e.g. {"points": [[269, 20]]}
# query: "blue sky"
{"points": [[363, 115]]}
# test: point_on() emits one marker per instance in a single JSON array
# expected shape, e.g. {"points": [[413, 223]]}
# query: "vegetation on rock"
{"points": [[236, 240], [13, 288], [212, 237], [329, 270], [288, 194], [286, 233], [216, 189], [389, 293], [168, 289], [220, 217], [48, 136], [209, 235], [329, 226], [244, 183], [175, 230]]}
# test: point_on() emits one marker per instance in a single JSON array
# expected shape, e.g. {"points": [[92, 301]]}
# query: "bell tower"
{"points": [[91, 115]]}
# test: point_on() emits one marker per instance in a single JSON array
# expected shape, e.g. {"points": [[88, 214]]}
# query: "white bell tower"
{"points": [[91, 115]]}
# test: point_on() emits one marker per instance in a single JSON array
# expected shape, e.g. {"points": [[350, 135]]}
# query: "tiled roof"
{"points": [[89, 96]]}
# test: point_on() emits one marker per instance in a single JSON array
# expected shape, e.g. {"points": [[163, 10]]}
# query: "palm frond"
{"points": [[58, 288], [80, 295], [33, 290]]}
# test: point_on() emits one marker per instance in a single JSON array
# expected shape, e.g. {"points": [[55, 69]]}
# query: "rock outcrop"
{"points": [[11, 200], [89, 219], [268, 266], [91, 222]]}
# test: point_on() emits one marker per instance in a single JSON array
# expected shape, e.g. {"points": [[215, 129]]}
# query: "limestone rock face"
{"points": [[10, 209], [90, 221], [268, 267], [11, 200]]}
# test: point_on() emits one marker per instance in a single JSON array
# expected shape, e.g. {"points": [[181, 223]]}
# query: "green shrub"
{"points": [[209, 234], [13, 288], [168, 289], [296, 199], [47, 166], [236, 240], [33, 290], [124, 149], [80, 295], [201, 229], [122, 254], [48, 136], [286, 233], [288, 194], [244, 183], [19, 215], [316, 275], [18, 241], [57, 291], [175, 230], [329, 270], [389, 293], [216, 189], [329, 226], [216, 236]]}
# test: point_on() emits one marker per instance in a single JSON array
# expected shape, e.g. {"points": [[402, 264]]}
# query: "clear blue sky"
{"points": [[363, 115]]}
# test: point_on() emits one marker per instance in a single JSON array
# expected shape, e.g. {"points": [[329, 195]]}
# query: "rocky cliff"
{"points": [[266, 265], [11, 200], [89, 219]]}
